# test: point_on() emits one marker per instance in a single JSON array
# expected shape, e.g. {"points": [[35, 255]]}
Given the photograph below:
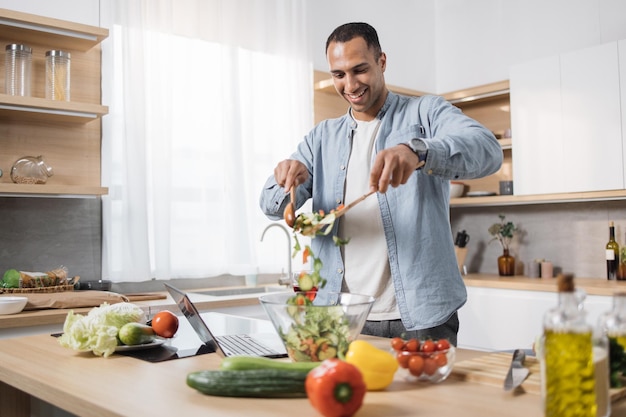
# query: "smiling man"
{"points": [[401, 249]]}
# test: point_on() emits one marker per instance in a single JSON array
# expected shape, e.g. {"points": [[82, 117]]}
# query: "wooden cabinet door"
{"points": [[537, 130]]}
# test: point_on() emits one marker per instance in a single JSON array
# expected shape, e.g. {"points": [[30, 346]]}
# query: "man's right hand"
{"points": [[290, 171]]}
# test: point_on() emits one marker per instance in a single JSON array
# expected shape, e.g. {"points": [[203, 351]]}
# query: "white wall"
{"points": [[80, 11], [446, 45], [405, 28]]}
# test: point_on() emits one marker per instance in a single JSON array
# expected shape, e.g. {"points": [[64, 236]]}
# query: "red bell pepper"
{"points": [[335, 388]]}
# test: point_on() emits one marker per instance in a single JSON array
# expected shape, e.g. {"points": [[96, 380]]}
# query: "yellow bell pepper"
{"points": [[377, 366]]}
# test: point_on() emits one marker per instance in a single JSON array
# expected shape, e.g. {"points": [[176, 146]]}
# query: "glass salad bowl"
{"points": [[319, 329]]}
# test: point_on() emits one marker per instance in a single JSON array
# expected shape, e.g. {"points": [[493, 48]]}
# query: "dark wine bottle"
{"points": [[612, 254]]}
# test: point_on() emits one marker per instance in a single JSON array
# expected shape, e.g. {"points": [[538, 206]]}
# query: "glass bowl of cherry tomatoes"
{"points": [[423, 360]]}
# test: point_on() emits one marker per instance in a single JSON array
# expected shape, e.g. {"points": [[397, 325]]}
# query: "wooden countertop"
{"points": [[151, 307], [592, 286], [117, 386]]}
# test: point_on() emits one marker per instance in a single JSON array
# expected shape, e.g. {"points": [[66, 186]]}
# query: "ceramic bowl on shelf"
{"points": [[12, 305], [320, 329], [457, 189]]}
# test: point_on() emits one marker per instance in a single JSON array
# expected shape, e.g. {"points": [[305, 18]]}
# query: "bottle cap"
{"points": [[18, 47], [565, 283], [60, 54]]}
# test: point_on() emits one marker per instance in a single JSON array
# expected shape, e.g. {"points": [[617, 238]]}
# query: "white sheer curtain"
{"points": [[205, 97]]}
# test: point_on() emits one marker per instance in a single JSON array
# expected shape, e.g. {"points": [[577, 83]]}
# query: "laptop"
{"points": [[225, 345]]}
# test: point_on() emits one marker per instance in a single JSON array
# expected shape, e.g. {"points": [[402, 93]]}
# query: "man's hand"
{"points": [[290, 172], [392, 166]]}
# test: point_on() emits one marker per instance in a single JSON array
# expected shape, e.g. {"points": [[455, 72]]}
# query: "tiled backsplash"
{"points": [[44, 233], [570, 235]]}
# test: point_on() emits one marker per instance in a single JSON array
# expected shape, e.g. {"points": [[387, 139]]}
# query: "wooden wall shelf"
{"points": [[512, 200], [29, 28], [68, 134], [41, 109], [50, 190]]}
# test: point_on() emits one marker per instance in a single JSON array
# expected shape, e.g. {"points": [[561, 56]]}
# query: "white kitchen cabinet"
{"points": [[565, 112], [535, 120], [498, 319], [621, 50]]}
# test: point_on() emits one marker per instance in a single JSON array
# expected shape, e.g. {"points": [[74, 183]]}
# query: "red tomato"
{"points": [[442, 344], [430, 366], [416, 365], [165, 323], [397, 343], [403, 359], [412, 345], [428, 346], [440, 359]]}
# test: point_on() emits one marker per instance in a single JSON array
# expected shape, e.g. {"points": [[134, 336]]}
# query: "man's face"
{"points": [[358, 77]]}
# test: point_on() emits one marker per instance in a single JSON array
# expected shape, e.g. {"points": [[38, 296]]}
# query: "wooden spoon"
{"points": [[290, 211]]}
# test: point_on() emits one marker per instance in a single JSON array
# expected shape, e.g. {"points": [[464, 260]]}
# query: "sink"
{"points": [[241, 291]]}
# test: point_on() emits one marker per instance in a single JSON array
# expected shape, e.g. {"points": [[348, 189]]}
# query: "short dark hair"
{"points": [[349, 31]]}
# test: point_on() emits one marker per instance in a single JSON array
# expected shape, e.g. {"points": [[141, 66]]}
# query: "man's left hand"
{"points": [[393, 166]]}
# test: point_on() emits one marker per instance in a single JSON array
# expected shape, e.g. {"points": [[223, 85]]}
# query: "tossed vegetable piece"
{"points": [[239, 363], [335, 388], [97, 331], [136, 334], [259, 383], [377, 366]]}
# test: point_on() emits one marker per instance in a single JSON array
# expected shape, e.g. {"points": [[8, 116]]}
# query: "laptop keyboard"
{"points": [[242, 344]]}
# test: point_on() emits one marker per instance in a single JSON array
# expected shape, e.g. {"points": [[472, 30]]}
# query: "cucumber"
{"points": [[305, 282], [238, 363], [256, 383], [136, 334]]}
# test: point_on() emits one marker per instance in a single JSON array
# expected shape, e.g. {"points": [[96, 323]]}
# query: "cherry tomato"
{"points": [[442, 344], [440, 359], [397, 343], [428, 346], [416, 365], [165, 323], [430, 366], [412, 345], [403, 359]]}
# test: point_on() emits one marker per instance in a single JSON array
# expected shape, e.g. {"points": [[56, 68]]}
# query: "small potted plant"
{"points": [[504, 232]]}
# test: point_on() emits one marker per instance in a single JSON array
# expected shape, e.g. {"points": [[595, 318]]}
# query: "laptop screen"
{"points": [[192, 314]]}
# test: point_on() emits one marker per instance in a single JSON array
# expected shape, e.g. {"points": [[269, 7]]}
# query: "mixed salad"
{"points": [[317, 332]]}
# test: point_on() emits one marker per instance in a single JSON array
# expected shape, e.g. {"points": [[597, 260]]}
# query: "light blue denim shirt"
{"points": [[415, 216]]}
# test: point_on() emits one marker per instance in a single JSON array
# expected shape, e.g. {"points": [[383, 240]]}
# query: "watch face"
{"points": [[418, 145]]}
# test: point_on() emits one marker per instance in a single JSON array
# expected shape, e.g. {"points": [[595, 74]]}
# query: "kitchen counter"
{"points": [[592, 286], [163, 301], [91, 386]]}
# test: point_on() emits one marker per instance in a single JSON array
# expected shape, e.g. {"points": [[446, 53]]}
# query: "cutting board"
{"points": [[491, 369]]}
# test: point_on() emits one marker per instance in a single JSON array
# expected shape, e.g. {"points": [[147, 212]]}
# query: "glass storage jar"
{"points": [[58, 75], [30, 170], [18, 62]]}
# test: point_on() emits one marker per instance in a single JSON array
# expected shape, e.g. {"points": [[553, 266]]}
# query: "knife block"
{"points": [[461, 253]]}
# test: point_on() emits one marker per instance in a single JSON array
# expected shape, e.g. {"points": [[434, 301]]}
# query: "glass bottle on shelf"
{"points": [[574, 360], [612, 254], [30, 170]]}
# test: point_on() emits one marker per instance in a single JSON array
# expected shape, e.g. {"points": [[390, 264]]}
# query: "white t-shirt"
{"points": [[365, 256]]}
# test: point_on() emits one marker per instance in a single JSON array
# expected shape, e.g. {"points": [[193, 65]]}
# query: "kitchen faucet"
{"points": [[282, 280]]}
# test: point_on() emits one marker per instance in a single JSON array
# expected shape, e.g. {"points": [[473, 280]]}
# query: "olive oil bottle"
{"points": [[567, 353], [613, 324]]}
